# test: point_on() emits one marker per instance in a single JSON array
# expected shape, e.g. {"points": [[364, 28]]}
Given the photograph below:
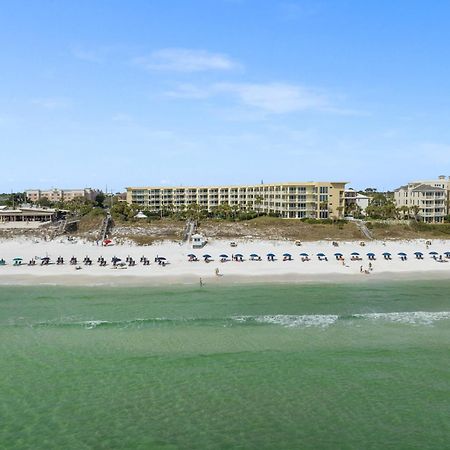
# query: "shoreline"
{"points": [[77, 280]]}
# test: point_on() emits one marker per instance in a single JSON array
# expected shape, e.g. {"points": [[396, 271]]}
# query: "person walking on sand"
{"points": [[361, 269], [201, 282], [217, 272]]}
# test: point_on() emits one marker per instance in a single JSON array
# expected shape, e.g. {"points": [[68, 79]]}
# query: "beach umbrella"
{"points": [[321, 254], [287, 254], [270, 254], [370, 254], [434, 253], [17, 259], [386, 254], [418, 253], [191, 255], [304, 254], [254, 255], [107, 241], [402, 254], [354, 254], [45, 258], [223, 256], [238, 255], [206, 256], [446, 253], [338, 254], [160, 258]]}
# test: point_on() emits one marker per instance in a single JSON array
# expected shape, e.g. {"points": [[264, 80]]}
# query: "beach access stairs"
{"points": [[64, 225], [363, 229], [105, 228], [189, 230]]}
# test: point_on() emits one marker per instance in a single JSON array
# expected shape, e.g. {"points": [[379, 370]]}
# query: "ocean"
{"points": [[267, 366]]}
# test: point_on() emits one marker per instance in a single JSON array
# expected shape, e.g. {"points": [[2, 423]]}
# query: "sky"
{"points": [[112, 93]]}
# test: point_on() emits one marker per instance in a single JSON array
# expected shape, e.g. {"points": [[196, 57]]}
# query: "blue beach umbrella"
{"points": [[446, 253], [434, 253], [304, 254], [270, 254], [386, 254], [287, 254], [401, 254], [418, 253], [354, 254], [238, 255], [223, 256], [254, 255], [320, 254], [338, 254], [370, 254], [206, 256], [191, 255]]}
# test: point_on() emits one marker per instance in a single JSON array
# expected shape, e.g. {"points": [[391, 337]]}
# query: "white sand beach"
{"points": [[180, 270]]}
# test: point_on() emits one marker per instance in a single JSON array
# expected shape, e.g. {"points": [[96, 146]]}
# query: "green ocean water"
{"points": [[332, 366]]}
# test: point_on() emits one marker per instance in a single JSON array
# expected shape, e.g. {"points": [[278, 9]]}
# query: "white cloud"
{"points": [[276, 98], [269, 98], [186, 60], [87, 55], [52, 103]]}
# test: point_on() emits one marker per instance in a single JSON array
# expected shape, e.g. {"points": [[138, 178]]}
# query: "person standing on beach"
{"points": [[201, 282]]}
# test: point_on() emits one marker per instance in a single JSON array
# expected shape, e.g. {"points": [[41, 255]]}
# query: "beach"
{"points": [[176, 266]]}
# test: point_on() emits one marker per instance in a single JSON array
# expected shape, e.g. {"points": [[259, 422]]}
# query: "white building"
{"points": [[353, 197], [428, 200]]}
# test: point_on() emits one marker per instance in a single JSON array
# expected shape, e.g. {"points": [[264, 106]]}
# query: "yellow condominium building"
{"points": [[317, 200]]}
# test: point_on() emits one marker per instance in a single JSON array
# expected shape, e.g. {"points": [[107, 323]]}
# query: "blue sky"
{"points": [[96, 93]]}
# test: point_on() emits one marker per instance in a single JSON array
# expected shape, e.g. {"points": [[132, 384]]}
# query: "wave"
{"points": [[326, 320], [287, 321]]}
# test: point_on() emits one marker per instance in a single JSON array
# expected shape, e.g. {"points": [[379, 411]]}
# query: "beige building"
{"points": [[318, 200], [25, 215], [57, 195], [427, 199]]}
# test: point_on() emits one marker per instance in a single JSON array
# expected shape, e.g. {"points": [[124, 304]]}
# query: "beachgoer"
{"points": [[217, 272], [201, 282], [361, 269]]}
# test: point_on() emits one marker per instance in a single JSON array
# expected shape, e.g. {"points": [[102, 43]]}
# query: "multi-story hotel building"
{"points": [[57, 195], [318, 200], [429, 200]]}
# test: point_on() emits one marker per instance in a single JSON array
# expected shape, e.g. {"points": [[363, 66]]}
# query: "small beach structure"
{"points": [[255, 257], [270, 257], [387, 255], [198, 241], [140, 215], [338, 256], [17, 261], [403, 256], [418, 255], [371, 256]]}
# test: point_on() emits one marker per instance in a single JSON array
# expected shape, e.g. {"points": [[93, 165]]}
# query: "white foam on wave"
{"points": [[412, 317], [90, 324], [309, 320], [326, 320]]}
